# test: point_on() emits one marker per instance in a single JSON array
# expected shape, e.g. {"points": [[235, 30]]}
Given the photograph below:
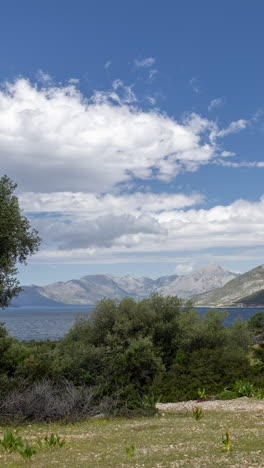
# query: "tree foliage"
{"points": [[17, 240], [158, 346]]}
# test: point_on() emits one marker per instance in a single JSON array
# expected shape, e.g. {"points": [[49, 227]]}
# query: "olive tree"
{"points": [[17, 240]]}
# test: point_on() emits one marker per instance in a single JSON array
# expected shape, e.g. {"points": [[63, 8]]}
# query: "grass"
{"points": [[166, 440]]}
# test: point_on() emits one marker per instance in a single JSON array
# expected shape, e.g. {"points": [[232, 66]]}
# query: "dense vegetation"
{"points": [[129, 353]]}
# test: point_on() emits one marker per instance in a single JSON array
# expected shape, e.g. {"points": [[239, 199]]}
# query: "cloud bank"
{"points": [[83, 166]]}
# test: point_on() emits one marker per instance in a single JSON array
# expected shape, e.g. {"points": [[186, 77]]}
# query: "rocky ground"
{"points": [[238, 404]]}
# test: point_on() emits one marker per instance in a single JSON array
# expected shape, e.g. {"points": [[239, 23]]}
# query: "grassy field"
{"points": [[166, 440]]}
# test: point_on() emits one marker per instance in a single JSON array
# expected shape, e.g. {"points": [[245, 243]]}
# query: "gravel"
{"points": [[238, 404]]}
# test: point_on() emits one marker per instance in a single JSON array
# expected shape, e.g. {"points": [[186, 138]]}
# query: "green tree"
{"points": [[256, 322], [17, 240]]}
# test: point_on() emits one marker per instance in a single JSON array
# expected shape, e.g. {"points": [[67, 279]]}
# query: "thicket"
{"points": [[126, 355]]}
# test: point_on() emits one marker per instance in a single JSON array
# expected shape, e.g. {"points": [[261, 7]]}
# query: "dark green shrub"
{"points": [[256, 322], [227, 395]]}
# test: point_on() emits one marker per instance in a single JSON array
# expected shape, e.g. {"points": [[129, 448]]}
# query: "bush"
{"points": [[47, 401], [212, 369], [227, 395]]}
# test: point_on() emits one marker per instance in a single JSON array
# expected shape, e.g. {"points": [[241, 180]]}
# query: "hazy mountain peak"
{"points": [[210, 268]]}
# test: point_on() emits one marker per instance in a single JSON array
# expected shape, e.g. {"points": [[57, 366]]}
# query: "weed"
{"points": [[54, 440], [244, 388], [259, 393], [11, 441], [198, 413], [27, 451], [130, 450], [226, 441], [201, 392]]}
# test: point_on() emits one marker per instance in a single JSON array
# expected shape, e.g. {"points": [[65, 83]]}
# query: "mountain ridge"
{"points": [[235, 291], [91, 288]]}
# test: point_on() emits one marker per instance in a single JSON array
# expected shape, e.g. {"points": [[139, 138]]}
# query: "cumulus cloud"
{"points": [[54, 138], [72, 157]]}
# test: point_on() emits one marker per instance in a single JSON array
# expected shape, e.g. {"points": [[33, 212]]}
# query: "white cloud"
{"points": [[218, 102], [53, 139], [224, 163], [73, 156], [226, 154], [103, 231], [93, 204], [43, 77], [145, 63], [151, 230], [183, 269], [73, 80], [234, 127]]}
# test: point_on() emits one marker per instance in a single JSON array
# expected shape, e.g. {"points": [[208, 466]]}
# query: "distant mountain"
{"points": [[238, 291], [32, 296], [91, 288], [205, 279]]}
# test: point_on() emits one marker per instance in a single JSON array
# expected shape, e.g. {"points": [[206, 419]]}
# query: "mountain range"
{"points": [[91, 288]]}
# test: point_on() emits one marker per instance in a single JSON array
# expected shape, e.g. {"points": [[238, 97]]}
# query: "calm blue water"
{"points": [[48, 323], [41, 323]]}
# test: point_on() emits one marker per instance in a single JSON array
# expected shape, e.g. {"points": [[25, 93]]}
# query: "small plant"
{"points": [[198, 413], [244, 388], [54, 440], [39, 442], [150, 400], [259, 393], [226, 441], [130, 450], [11, 441], [27, 451], [201, 393]]}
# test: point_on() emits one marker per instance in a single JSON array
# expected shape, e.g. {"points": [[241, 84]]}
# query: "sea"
{"points": [[52, 323]]}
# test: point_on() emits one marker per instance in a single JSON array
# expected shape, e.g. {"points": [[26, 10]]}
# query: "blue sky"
{"points": [[135, 132]]}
